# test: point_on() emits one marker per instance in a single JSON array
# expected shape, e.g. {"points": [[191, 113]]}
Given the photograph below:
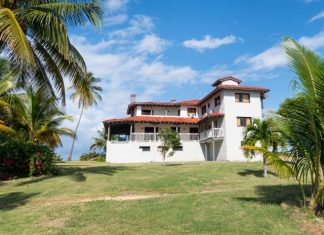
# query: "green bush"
{"points": [[93, 156], [21, 159]]}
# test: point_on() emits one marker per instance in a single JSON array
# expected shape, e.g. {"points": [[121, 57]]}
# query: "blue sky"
{"points": [[176, 49]]}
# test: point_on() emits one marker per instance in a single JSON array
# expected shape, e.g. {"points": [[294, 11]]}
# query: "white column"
{"points": [[108, 133], [131, 132], [213, 150], [154, 135], [206, 153]]}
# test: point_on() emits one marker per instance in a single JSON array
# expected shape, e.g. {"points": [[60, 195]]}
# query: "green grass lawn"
{"points": [[196, 198]]}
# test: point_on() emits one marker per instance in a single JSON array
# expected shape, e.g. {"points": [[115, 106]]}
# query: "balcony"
{"points": [[215, 133]]}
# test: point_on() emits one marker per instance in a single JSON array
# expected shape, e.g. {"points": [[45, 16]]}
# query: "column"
{"points": [[108, 133], [206, 153]]}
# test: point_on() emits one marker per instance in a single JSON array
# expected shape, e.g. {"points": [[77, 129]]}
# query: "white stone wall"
{"points": [[130, 152]]}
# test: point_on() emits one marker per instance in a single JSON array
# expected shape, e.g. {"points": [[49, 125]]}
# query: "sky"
{"points": [[167, 49]]}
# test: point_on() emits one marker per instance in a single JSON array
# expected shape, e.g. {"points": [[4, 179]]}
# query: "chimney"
{"points": [[133, 98], [173, 100]]}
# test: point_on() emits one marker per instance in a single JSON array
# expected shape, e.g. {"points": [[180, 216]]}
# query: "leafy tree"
{"points": [[87, 93], [170, 140], [100, 141], [37, 119], [34, 37], [260, 133]]}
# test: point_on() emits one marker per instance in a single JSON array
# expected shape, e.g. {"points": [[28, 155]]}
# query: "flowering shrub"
{"points": [[20, 159]]}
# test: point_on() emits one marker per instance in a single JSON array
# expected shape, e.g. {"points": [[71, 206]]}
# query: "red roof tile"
{"points": [[227, 78], [152, 119], [233, 87]]}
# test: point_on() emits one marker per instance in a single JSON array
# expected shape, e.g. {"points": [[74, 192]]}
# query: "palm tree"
{"points": [[37, 119], [260, 133], [100, 141], [87, 93], [301, 122], [34, 37]]}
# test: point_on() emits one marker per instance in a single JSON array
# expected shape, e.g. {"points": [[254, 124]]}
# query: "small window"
{"points": [[147, 112], [203, 110], [217, 101], [178, 148], [243, 121], [191, 111], [208, 105], [242, 98], [178, 112], [145, 148]]}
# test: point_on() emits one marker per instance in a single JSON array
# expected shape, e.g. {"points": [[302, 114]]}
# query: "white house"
{"points": [[210, 129]]}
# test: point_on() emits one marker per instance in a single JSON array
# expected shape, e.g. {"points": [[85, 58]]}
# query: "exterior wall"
{"points": [[219, 108], [130, 152], [233, 133], [229, 82], [165, 111]]}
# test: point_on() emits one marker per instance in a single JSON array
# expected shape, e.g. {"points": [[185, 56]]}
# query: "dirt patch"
{"points": [[307, 223]]}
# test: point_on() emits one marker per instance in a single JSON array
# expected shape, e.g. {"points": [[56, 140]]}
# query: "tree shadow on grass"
{"points": [[256, 173], [12, 200], [277, 194], [173, 164], [76, 174]]}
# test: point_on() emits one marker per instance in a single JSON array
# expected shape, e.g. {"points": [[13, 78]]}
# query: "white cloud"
{"points": [[317, 17], [274, 57], [139, 24], [115, 5], [151, 44], [115, 19], [209, 42]]}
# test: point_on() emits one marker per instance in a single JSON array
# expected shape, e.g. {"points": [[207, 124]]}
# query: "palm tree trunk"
{"points": [[265, 173], [316, 197], [74, 137]]}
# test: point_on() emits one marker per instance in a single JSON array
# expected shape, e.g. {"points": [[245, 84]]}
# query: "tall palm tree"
{"points": [[301, 122], [87, 93], [100, 141], [260, 133], [38, 119], [34, 37]]}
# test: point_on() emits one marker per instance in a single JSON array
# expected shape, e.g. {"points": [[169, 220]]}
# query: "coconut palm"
{"points": [[34, 37], [100, 141], [87, 93], [38, 119], [260, 133], [301, 122]]}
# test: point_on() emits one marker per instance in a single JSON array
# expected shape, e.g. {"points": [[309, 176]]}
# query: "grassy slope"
{"points": [[243, 202]]}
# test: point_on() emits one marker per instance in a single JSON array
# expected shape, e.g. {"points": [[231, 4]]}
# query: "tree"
{"points": [[37, 119], [87, 93], [260, 133], [170, 140], [301, 121], [100, 141], [34, 37]]}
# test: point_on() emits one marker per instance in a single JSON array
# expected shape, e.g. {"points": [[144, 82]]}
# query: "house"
{"points": [[210, 129]]}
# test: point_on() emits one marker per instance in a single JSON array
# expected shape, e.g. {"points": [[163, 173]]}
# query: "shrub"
{"points": [[93, 156], [21, 159]]}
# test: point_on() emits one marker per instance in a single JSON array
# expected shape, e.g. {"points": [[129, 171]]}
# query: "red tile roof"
{"points": [[227, 78], [166, 104], [233, 87], [209, 115], [152, 119]]}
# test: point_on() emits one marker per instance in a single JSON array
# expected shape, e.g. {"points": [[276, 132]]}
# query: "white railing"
{"points": [[212, 133], [149, 137]]}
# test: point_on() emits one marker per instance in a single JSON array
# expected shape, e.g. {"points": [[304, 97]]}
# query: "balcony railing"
{"points": [[212, 133], [149, 137]]}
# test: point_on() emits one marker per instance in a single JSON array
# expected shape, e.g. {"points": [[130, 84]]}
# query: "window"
{"points": [[208, 105], [147, 112], [145, 148], [217, 101], [178, 112], [243, 121], [191, 111], [242, 98], [203, 110], [178, 148]]}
